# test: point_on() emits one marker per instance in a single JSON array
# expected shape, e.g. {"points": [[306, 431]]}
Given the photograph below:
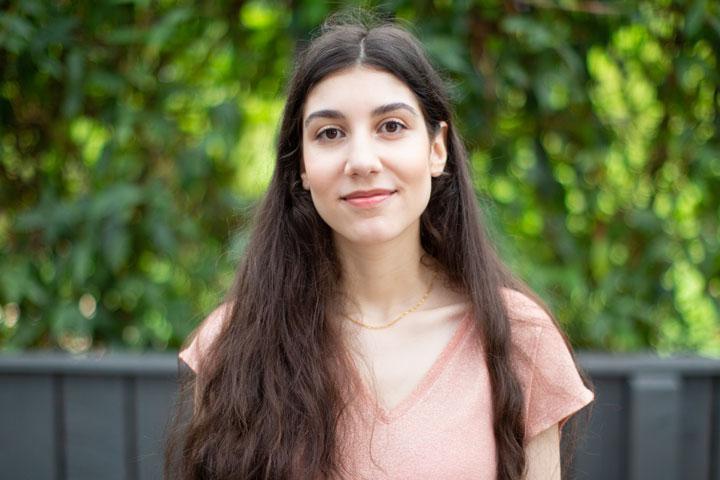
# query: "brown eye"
{"points": [[329, 133], [393, 127]]}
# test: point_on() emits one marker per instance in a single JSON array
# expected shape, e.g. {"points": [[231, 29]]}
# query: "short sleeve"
{"points": [[203, 337], [551, 382]]}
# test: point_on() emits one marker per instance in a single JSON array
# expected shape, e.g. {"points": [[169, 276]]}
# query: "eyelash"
{"points": [[320, 135]]}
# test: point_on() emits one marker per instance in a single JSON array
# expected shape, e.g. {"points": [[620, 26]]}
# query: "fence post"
{"points": [[654, 427]]}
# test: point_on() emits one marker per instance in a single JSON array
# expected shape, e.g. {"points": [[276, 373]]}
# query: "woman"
{"points": [[372, 331]]}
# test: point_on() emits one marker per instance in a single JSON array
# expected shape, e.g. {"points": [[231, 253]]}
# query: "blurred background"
{"points": [[136, 136]]}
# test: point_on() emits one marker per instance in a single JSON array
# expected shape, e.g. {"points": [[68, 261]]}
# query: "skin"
{"points": [[543, 455], [363, 130]]}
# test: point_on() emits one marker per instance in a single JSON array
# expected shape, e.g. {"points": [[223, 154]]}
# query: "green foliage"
{"points": [[136, 135]]}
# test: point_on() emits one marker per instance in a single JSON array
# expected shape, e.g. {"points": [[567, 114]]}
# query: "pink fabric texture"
{"points": [[204, 335], [443, 429]]}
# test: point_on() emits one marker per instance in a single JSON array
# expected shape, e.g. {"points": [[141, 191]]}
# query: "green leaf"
{"points": [[695, 17], [15, 32], [75, 89], [115, 243], [119, 199], [164, 30]]}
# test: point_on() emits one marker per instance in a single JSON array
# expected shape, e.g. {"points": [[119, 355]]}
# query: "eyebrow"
{"points": [[382, 109]]}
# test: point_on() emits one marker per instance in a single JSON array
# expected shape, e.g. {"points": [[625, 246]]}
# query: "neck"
{"points": [[382, 280]]}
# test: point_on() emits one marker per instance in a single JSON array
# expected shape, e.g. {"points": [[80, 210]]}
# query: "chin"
{"points": [[373, 234], [370, 238]]}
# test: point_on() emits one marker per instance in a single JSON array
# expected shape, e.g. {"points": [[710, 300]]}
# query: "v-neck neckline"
{"points": [[385, 415]]}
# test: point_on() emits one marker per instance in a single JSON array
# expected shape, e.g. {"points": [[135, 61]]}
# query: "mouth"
{"points": [[368, 198]]}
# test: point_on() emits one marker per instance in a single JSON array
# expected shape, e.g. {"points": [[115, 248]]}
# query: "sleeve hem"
{"points": [[559, 415]]}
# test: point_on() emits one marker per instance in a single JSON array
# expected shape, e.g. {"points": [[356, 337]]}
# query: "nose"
{"points": [[362, 160]]}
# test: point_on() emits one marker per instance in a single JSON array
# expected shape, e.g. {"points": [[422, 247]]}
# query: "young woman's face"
{"points": [[367, 156]]}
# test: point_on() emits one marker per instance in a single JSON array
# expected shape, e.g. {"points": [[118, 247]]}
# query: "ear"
{"points": [[438, 150], [303, 175], [305, 181]]}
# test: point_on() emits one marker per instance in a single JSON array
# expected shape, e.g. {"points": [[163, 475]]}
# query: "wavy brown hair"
{"points": [[269, 396]]}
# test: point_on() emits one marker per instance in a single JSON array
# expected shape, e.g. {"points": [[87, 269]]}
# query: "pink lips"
{"points": [[367, 198]]}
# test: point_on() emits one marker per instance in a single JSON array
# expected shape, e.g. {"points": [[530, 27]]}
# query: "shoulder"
{"points": [[523, 311], [530, 325], [203, 336], [532, 329]]}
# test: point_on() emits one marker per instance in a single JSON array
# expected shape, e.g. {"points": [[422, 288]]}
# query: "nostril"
{"points": [[363, 163]]}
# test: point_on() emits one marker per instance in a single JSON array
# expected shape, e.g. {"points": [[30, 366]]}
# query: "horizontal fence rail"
{"points": [[72, 418]]}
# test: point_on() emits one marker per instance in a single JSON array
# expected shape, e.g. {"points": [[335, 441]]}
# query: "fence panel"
{"points": [[28, 427], [153, 403], [65, 418], [96, 433], [603, 445], [696, 428]]}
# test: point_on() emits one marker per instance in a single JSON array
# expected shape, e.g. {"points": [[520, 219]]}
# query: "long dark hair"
{"points": [[269, 396]]}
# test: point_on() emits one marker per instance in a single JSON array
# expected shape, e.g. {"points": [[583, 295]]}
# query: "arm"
{"points": [[543, 455]]}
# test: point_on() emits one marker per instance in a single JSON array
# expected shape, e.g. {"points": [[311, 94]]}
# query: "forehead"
{"points": [[358, 89]]}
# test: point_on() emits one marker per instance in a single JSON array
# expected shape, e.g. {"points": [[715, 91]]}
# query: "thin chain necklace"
{"points": [[403, 314]]}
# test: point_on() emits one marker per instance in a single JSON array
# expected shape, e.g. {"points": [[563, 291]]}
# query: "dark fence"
{"points": [[65, 418]]}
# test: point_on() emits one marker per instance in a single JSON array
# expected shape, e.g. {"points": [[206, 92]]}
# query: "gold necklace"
{"points": [[403, 314]]}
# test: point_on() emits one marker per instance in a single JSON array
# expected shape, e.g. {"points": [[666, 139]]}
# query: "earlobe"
{"points": [[305, 182], [438, 151]]}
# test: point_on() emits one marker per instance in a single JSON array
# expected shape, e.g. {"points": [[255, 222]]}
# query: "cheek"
{"points": [[424, 189], [415, 173], [321, 173], [414, 166], [318, 178], [311, 167]]}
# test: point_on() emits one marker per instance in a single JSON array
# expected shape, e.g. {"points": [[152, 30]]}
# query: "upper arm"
{"points": [[543, 455]]}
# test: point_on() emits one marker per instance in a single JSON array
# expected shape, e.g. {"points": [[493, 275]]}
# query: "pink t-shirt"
{"points": [[443, 429]]}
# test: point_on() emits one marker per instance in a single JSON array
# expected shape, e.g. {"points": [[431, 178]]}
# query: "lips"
{"points": [[368, 198], [367, 193]]}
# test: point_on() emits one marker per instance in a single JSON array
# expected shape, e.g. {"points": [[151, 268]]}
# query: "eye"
{"points": [[393, 126], [330, 133]]}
